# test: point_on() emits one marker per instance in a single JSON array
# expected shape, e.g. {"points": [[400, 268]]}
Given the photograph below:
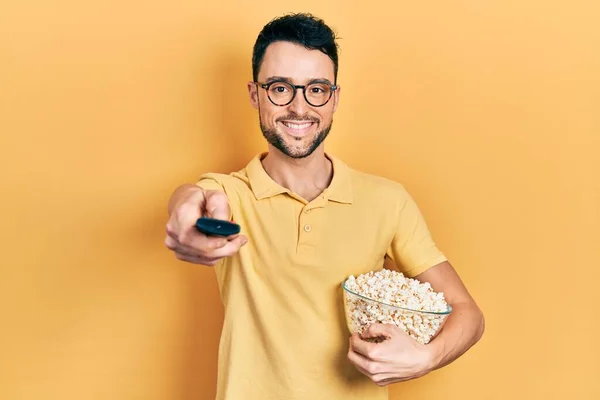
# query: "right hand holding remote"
{"points": [[186, 241]]}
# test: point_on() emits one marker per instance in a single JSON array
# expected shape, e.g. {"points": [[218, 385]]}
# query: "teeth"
{"points": [[297, 126]]}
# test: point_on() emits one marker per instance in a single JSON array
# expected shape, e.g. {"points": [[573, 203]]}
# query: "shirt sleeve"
{"points": [[412, 249], [211, 182]]}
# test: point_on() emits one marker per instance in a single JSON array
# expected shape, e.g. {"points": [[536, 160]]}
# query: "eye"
{"points": [[280, 88], [318, 88]]}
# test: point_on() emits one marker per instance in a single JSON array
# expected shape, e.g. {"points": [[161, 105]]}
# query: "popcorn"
{"points": [[394, 290]]}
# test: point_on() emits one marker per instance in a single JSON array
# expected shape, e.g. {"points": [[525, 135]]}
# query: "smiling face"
{"points": [[298, 128]]}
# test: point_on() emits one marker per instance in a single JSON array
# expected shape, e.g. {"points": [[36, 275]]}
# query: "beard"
{"points": [[275, 137]]}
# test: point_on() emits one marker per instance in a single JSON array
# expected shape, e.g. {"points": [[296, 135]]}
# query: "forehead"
{"points": [[296, 62]]}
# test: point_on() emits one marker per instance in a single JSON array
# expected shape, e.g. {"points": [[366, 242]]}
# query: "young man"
{"points": [[308, 221]]}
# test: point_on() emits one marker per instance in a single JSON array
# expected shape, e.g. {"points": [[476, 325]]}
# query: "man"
{"points": [[308, 221]]}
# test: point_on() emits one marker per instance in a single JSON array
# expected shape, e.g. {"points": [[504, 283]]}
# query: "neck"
{"points": [[307, 177]]}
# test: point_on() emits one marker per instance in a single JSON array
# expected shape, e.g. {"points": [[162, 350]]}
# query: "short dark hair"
{"points": [[301, 28]]}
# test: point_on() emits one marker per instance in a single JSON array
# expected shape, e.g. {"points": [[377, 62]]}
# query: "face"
{"points": [[296, 129]]}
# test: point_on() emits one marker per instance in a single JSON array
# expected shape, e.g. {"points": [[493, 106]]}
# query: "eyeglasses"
{"points": [[282, 93]]}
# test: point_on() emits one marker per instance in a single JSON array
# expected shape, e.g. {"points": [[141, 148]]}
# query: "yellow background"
{"points": [[488, 112]]}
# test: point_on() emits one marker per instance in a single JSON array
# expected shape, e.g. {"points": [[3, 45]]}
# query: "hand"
{"points": [[395, 359], [187, 242]]}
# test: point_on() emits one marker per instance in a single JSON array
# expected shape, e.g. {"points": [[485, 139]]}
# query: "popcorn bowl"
{"points": [[362, 311]]}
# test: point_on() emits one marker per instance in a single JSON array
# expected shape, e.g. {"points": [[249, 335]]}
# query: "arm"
{"points": [[185, 206], [400, 357], [465, 324]]}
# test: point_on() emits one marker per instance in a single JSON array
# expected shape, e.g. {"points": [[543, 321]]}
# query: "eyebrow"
{"points": [[288, 80]]}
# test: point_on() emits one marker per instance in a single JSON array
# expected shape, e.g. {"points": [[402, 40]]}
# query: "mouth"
{"points": [[297, 128]]}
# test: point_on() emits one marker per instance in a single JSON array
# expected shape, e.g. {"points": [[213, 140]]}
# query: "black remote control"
{"points": [[217, 227]]}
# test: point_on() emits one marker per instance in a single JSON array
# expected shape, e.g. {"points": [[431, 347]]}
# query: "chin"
{"points": [[294, 145]]}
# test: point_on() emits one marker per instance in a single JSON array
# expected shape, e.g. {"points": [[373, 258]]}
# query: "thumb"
{"points": [[239, 241], [233, 245], [217, 205]]}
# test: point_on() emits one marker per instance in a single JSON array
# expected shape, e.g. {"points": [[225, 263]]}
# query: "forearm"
{"points": [[463, 328], [182, 192]]}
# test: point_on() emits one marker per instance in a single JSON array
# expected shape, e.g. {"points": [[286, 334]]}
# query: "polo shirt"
{"points": [[284, 333]]}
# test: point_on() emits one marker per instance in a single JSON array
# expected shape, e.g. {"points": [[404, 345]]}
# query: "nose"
{"points": [[299, 105]]}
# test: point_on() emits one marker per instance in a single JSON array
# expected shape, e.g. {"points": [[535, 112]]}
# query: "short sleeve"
{"points": [[412, 249], [211, 181]]}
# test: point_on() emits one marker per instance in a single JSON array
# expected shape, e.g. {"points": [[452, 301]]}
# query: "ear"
{"points": [[253, 93], [336, 98]]}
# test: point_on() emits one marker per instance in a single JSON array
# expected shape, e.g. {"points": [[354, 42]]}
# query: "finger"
{"points": [[208, 246], [364, 365], [187, 215], [197, 260], [184, 217], [379, 330], [362, 347], [170, 242], [195, 239], [385, 379], [230, 248], [359, 362], [195, 244], [181, 249], [377, 372], [193, 235], [217, 205]]}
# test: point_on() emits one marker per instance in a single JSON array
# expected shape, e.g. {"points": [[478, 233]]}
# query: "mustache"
{"points": [[294, 117]]}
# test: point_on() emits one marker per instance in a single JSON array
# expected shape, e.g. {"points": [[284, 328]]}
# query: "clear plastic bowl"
{"points": [[362, 311]]}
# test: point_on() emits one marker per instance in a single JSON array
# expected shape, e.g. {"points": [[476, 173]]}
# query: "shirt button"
{"points": [[307, 228]]}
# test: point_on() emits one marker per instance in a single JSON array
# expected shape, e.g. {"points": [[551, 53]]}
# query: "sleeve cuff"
{"points": [[411, 273]]}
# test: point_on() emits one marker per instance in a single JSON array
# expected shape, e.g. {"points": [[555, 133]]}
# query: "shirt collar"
{"points": [[263, 186]]}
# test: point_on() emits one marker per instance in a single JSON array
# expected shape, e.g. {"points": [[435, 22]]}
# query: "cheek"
{"points": [[327, 115], [268, 115]]}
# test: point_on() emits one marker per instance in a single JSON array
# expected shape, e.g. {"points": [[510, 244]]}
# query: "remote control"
{"points": [[217, 227]]}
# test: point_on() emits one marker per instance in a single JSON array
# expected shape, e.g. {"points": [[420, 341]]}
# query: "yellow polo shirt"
{"points": [[284, 335]]}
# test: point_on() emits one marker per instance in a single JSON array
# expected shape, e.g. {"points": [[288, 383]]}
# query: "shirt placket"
{"points": [[310, 225]]}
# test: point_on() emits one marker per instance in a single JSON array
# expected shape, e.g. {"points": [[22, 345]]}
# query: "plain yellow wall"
{"points": [[488, 112]]}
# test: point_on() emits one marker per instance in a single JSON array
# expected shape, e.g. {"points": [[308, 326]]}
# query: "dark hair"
{"points": [[303, 29]]}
